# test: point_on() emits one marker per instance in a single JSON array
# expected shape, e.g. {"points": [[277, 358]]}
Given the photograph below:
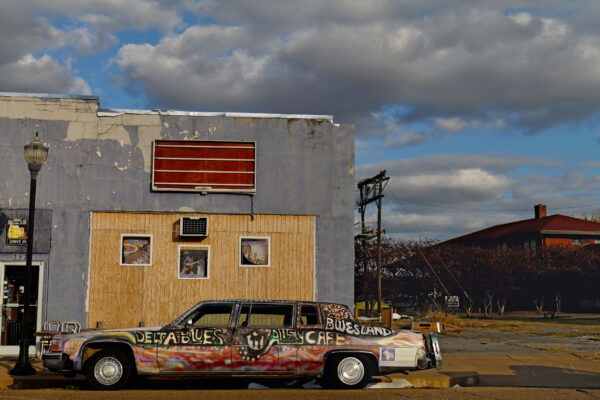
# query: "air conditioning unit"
{"points": [[193, 226]]}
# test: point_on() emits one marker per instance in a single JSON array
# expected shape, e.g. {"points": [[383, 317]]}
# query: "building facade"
{"points": [[141, 214]]}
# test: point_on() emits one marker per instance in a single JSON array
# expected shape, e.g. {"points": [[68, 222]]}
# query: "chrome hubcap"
{"points": [[108, 371], [350, 371]]}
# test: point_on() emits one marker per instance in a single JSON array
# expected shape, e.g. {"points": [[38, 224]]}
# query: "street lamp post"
{"points": [[35, 155]]}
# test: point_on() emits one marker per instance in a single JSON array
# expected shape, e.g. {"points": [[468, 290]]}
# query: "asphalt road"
{"points": [[295, 394]]}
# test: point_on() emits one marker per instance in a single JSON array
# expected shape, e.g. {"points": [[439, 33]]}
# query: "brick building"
{"points": [[542, 230]]}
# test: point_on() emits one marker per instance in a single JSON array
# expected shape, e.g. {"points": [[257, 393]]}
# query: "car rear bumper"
{"points": [[434, 351]]}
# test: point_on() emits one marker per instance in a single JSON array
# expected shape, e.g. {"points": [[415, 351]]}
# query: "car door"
{"points": [[202, 343], [264, 339], [316, 342]]}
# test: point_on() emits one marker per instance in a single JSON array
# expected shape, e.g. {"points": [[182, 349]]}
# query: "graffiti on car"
{"points": [[194, 336], [353, 328], [257, 343]]}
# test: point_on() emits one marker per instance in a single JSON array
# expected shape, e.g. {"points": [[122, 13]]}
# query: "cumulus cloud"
{"points": [[451, 187], [116, 14], [451, 64], [454, 194], [478, 62], [43, 74], [28, 36]]}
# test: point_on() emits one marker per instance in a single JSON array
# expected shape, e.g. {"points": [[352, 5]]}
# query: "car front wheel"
{"points": [[108, 369], [351, 371]]}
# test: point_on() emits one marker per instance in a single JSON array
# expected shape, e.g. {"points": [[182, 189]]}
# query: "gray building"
{"points": [[273, 191]]}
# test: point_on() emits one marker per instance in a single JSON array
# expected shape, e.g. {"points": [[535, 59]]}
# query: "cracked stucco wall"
{"points": [[101, 161]]}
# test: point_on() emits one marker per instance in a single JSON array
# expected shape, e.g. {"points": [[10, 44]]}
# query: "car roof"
{"points": [[268, 301]]}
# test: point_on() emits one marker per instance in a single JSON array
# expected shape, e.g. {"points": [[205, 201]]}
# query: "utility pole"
{"points": [[371, 190]]}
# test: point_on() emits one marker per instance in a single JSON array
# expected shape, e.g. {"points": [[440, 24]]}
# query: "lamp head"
{"points": [[35, 154]]}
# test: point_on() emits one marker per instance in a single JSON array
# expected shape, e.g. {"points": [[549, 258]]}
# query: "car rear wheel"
{"points": [[108, 369], [347, 371]]}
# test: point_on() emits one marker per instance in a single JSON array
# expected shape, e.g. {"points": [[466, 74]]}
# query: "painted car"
{"points": [[292, 339]]}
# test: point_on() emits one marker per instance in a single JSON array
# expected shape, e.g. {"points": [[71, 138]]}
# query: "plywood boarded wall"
{"points": [[122, 296]]}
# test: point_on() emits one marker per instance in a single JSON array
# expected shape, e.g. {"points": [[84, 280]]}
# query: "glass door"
{"points": [[12, 324]]}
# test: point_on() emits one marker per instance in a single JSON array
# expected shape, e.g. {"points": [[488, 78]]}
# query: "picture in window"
{"points": [[136, 250], [254, 252], [193, 262]]}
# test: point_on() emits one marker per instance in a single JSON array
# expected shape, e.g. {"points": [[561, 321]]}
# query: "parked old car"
{"points": [[246, 338]]}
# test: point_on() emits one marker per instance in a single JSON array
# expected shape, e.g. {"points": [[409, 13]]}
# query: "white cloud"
{"points": [[116, 14], [451, 187], [454, 194], [451, 124], [439, 225], [453, 66], [43, 74], [402, 139], [496, 164]]}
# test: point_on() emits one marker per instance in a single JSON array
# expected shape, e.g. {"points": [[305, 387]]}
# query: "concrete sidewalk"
{"points": [[551, 370], [41, 379], [494, 370]]}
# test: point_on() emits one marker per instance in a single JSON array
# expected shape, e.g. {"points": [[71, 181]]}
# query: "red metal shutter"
{"points": [[204, 166]]}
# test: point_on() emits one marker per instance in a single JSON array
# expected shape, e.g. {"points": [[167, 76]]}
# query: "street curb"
{"points": [[6, 383], [432, 379], [36, 382]]}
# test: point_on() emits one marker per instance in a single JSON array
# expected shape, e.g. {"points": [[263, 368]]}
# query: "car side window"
{"points": [[244, 315], [211, 315], [267, 315], [309, 315]]}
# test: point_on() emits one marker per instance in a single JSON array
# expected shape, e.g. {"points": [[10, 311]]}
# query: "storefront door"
{"points": [[13, 285]]}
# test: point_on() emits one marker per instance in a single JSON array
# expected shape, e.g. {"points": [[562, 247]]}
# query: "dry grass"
{"points": [[564, 325], [438, 316], [537, 347], [588, 356], [558, 329]]}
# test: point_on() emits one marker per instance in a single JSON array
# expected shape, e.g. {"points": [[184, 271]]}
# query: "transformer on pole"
{"points": [[371, 189]]}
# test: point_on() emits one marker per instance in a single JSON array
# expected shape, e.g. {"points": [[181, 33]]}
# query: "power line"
{"points": [[443, 264]]}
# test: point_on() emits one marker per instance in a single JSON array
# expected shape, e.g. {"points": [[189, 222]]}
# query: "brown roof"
{"points": [[553, 224]]}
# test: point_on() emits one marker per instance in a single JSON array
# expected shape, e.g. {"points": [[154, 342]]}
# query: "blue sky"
{"points": [[478, 110]]}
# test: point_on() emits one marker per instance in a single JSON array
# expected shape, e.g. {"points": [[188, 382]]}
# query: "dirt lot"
{"points": [[527, 333]]}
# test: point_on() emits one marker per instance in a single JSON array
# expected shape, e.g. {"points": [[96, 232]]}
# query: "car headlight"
{"points": [[55, 346]]}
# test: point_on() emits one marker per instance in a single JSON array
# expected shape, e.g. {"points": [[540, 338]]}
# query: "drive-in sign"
{"points": [[16, 232]]}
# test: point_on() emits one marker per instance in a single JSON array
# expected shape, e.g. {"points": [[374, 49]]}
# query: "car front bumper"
{"points": [[57, 362]]}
